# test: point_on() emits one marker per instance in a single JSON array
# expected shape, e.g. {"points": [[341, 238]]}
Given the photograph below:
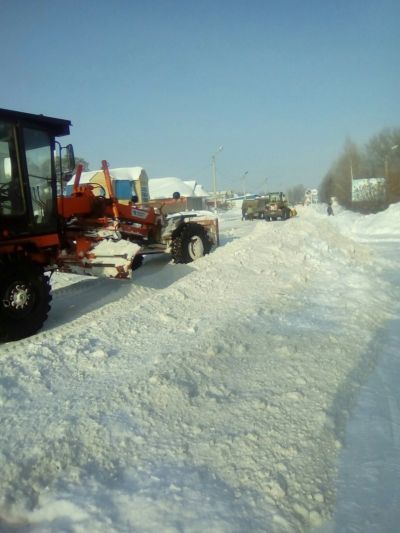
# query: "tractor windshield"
{"points": [[38, 151], [11, 197]]}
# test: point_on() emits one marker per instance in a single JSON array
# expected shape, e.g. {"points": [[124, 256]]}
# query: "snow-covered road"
{"points": [[368, 478], [205, 397]]}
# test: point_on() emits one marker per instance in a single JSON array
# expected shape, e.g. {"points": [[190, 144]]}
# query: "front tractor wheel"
{"points": [[190, 244], [24, 299]]}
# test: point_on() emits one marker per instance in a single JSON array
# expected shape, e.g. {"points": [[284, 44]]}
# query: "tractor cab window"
{"points": [[38, 152], [11, 197]]}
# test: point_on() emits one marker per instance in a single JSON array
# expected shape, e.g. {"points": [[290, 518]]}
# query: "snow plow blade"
{"points": [[106, 258]]}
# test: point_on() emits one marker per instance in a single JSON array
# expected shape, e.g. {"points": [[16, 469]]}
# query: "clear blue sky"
{"points": [[162, 83]]}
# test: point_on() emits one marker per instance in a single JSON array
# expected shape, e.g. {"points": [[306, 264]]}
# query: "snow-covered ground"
{"points": [[237, 393]]}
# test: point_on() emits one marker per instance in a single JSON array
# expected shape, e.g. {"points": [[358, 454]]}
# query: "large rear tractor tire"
{"points": [[24, 299], [190, 244]]}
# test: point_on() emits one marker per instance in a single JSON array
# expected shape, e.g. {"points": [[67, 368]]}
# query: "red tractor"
{"points": [[99, 224], [41, 230]]}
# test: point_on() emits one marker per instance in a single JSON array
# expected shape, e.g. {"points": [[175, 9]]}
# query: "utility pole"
{"points": [[244, 183], [214, 174]]}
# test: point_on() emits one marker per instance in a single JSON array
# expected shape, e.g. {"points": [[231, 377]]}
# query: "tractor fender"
{"points": [[180, 226], [190, 243]]}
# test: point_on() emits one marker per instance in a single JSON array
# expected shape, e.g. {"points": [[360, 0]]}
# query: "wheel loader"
{"points": [[277, 207], [42, 231]]}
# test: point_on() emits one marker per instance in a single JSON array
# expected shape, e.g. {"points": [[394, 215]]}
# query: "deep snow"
{"points": [[215, 396]]}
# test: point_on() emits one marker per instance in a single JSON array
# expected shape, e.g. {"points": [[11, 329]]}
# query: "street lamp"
{"points": [[244, 183], [214, 172]]}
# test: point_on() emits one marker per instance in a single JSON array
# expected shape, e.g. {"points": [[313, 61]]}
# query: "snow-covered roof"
{"points": [[200, 191], [165, 188], [191, 183], [123, 173]]}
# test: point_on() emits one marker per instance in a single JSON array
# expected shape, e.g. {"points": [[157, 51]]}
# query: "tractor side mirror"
{"points": [[70, 157]]}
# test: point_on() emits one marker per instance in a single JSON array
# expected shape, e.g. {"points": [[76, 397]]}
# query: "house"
{"points": [[133, 181], [163, 191], [127, 182]]}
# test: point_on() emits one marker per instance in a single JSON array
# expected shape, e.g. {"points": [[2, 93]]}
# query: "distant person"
{"points": [[244, 211], [330, 210]]}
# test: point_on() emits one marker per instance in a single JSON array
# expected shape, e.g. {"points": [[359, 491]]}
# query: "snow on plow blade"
{"points": [[107, 259]]}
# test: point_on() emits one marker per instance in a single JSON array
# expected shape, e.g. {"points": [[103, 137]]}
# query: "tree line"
{"points": [[378, 158]]}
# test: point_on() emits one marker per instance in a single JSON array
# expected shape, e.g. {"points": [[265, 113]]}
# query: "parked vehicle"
{"points": [[254, 208]]}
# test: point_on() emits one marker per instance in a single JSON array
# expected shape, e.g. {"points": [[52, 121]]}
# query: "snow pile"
{"points": [[210, 396], [116, 249], [383, 226]]}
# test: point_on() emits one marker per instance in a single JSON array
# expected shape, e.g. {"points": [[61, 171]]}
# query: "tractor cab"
{"points": [[28, 188]]}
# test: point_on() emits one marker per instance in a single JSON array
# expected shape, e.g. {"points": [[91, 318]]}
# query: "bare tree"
{"points": [[383, 153], [380, 158], [295, 194]]}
